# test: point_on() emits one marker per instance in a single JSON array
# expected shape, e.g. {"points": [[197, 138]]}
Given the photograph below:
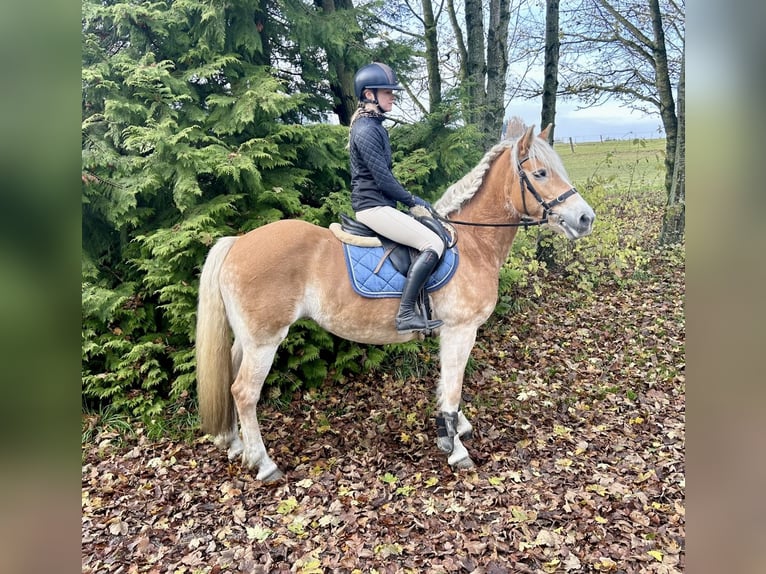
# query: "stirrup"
{"points": [[435, 324], [423, 324]]}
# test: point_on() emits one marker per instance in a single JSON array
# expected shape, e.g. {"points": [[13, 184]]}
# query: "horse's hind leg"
{"points": [[255, 364], [230, 440]]}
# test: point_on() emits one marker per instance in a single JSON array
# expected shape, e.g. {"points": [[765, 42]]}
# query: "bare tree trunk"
{"points": [[343, 90], [551, 69], [674, 218], [432, 57], [665, 92], [263, 25], [497, 67], [461, 49], [476, 66], [544, 250], [485, 80], [342, 85]]}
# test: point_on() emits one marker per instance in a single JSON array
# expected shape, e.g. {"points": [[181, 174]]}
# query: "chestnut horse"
{"points": [[253, 287]]}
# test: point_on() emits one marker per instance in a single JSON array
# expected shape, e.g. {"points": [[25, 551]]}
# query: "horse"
{"points": [[253, 287]]}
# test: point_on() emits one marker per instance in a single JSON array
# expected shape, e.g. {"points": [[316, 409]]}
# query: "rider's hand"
{"points": [[423, 202]]}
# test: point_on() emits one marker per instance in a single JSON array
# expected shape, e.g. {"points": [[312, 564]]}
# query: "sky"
{"points": [[608, 121]]}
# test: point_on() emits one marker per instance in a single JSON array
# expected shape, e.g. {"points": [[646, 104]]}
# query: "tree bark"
{"points": [[674, 218], [664, 91], [476, 67], [497, 68], [462, 51], [551, 68], [544, 250], [432, 57], [485, 80], [342, 84]]}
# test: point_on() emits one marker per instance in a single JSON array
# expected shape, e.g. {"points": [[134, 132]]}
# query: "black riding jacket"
{"points": [[372, 182]]}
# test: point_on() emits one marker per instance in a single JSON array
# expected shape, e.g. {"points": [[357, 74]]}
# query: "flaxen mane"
{"points": [[465, 188]]}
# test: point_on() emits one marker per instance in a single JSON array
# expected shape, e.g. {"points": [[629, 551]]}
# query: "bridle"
{"points": [[526, 220]]}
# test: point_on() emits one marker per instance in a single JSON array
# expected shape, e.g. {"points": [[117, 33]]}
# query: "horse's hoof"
{"points": [[235, 450], [464, 464], [445, 444], [274, 476]]}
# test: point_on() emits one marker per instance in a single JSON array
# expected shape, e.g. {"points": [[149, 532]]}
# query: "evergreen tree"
{"points": [[187, 135]]}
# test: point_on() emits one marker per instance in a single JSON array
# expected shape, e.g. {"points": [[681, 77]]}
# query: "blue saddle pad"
{"points": [[388, 282]]}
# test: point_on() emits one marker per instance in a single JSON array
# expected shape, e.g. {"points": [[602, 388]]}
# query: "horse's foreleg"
{"points": [[464, 427], [451, 423], [255, 365]]}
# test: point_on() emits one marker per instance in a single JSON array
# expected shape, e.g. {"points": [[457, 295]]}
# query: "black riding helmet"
{"points": [[374, 76]]}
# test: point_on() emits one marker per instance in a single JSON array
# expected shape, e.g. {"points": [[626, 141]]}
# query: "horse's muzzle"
{"points": [[574, 223]]}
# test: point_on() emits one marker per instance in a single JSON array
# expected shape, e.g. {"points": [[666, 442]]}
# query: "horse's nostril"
{"points": [[586, 219]]}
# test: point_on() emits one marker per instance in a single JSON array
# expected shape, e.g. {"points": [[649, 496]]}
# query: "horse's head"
{"points": [[544, 191]]}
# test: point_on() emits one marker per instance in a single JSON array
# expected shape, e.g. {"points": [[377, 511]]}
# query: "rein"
{"points": [[526, 221], [523, 223]]}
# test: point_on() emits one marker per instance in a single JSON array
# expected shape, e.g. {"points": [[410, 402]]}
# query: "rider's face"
{"points": [[386, 99]]}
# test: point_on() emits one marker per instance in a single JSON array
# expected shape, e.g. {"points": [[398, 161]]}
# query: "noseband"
{"points": [[526, 219]]}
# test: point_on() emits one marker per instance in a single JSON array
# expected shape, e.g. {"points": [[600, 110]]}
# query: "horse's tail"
{"points": [[213, 346]]}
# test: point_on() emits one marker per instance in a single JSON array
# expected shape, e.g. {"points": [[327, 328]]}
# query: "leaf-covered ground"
{"points": [[577, 402]]}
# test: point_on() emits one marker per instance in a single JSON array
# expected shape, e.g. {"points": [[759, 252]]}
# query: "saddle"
{"points": [[377, 266], [399, 255]]}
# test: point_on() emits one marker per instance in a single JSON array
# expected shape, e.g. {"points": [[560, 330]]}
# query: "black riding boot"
{"points": [[408, 319]]}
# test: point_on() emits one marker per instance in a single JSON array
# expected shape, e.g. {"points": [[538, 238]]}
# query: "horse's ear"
{"points": [[525, 141], [544, 134]]}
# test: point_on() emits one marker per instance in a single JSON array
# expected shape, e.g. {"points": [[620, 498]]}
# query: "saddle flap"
{"points": [[354, 227], [398, 254], [448, 236]]}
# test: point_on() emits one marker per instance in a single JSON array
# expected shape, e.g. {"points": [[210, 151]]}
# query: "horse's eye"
{"points": [[540, 173]]}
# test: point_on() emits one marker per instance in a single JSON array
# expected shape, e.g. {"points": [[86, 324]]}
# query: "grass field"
{"points": [[627, 164]]}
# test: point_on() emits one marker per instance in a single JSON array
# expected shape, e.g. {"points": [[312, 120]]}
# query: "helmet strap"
{"points": [[374, 99]]}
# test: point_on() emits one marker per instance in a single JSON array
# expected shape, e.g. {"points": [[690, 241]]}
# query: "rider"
{"points": [[375, 191]]}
